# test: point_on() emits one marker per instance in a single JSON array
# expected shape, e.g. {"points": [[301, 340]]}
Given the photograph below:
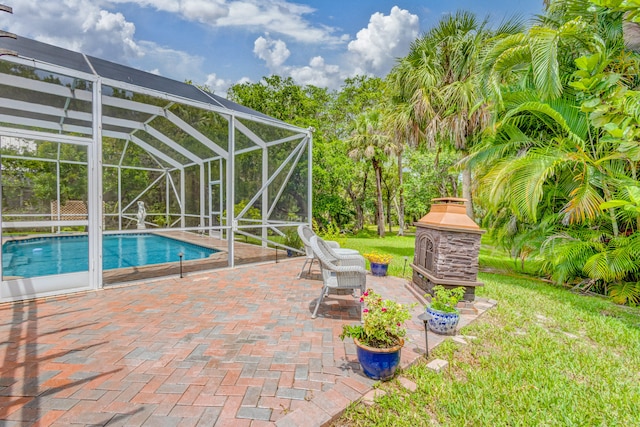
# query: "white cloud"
{"points": [[220, 86], [217, 85], [84, 26], [273, 52], [372, 52], [275, 16], [97, 28], [317, 73], [203, 10], [75, 24], [385, 39]]}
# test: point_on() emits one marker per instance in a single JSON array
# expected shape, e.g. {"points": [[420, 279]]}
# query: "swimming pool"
{"points": [[44, 256]]}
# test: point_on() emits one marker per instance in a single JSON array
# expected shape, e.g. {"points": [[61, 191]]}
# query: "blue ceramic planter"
{"points": [[441, 322], [378, 363], [379, 269]]}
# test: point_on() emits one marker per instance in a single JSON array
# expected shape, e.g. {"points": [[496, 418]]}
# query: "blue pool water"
{"points": [[68, 254]]}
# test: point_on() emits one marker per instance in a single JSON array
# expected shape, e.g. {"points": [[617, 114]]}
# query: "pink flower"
{"points": [[398, 324], [384, 309], [366, 310], [366, 294], [361, 299]]}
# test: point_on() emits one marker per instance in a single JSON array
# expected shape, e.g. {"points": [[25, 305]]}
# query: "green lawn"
{"points": [[544, 356], [400, 247]]}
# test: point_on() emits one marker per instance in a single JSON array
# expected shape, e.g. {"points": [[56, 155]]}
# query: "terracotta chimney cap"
{"points": [[449, 199], [450, 213]]}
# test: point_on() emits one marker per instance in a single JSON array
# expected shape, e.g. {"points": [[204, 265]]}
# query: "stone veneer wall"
{"points": [[455, 253]]}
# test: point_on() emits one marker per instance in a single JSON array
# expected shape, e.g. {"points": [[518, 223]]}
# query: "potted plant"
{"points": [[442, 311], [379, 263], [380, 337], [292, 240]]}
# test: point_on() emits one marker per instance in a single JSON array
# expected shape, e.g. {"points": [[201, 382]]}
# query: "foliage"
{"points": [[441, 79], [281, 98], [330, 232], [341, 186], [445, 300], [369, 141], [625, 293], [556, 357], [564, 149], [428, 176], [378, 258], [292, 239], [383, 322]]}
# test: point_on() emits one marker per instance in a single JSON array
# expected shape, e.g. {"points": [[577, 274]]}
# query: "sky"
{"points": [[219, 43]]}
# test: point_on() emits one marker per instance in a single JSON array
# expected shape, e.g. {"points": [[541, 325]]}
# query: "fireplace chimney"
{"points": [[446, 248]]}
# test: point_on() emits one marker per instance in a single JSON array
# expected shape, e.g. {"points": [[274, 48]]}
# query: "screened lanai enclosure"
{"points": [[111, 174]]}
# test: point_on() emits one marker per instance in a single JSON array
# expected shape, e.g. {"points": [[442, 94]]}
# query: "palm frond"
{"points": [[584, 203], [544, 60], [625, 293], [546, 110]]}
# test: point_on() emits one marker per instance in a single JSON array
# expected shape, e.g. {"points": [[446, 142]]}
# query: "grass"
{"points": [[400, 247], [544, 356]]}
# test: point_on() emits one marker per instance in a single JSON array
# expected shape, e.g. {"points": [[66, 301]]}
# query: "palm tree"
{"points": [[401, 123], [369, 141], [548, 82], [566, 139], [441, 77]]}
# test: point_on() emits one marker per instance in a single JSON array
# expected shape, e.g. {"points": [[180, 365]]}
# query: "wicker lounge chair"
{"points": [[306, 233], [346, 272]]}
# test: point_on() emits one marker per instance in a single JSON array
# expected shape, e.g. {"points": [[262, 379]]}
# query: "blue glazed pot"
{"points": [[378, 363], [441, 322], [379, 269]]}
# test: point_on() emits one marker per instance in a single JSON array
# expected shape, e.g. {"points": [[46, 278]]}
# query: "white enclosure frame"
{"points": [[24, 120]]}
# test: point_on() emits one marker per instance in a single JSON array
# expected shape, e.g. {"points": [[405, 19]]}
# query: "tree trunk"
{"points": [[400, 196], [631, 33], [389, 211], [380, 209], [466, 191], [359, 225]]}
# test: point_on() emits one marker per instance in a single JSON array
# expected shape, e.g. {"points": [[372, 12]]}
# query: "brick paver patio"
{"points": [[233, 347]]}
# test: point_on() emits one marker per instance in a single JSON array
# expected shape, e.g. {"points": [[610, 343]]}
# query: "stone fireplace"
{"points": [[446, 248]]}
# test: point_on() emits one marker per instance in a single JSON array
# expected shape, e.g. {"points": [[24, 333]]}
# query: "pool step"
{"points": [[7, 259], [21, 260]]}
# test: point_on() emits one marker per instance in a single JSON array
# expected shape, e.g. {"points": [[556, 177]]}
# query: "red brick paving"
{"points": [[234, 347]]}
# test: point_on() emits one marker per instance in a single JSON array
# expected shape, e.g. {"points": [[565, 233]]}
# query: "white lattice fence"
{"points": [[72, 210]]}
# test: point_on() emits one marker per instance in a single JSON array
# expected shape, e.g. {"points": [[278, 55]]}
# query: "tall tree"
{"points": [[369, 141], [441, 74], [404, 128], [356, 96]]}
